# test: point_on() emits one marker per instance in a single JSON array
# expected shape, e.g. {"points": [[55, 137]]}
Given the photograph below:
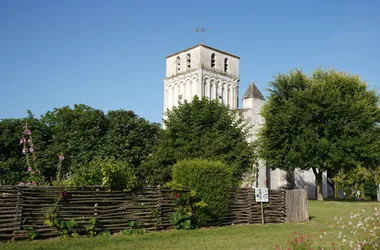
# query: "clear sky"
{"points": [[110, 55]]}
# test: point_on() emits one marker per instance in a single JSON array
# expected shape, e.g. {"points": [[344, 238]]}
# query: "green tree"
{"points": [[200, 129], [129, 138], [13, 162], [359, 178], [83, 133], [12, 167], [77, 133], [326, 121]]}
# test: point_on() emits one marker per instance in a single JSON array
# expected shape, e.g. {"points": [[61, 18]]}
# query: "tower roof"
{"points": [[253, 92], [205, 46]]}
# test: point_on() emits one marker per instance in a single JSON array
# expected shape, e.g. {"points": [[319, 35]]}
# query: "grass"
{"points": [[267, 236]]}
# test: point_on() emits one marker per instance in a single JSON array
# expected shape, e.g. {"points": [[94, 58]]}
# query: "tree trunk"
{"points": [[318, 179]]}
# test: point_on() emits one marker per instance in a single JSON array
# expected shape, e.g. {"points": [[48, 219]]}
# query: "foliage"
{"points": [[13, 162], [64, 227], [212, 181], [326, 121], [107, 172], [84, 133], [189, 208], [155, 213], [202, 128], [129, 138], [359, 179], [78, 135], [135, 228], [106, 233], [92, 226], [32, 233]]}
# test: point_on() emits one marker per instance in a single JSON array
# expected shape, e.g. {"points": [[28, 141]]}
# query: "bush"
{"points": [[212, 181], [107, 172]]}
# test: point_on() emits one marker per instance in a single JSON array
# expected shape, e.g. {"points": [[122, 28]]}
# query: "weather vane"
{"points": [[203, 30]]}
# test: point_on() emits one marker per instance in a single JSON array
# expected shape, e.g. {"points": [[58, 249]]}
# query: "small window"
{"points": [[178, 63], [213, 60], [225, 64], [188, 61]]}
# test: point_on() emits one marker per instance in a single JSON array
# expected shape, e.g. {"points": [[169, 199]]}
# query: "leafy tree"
{"points": [[359, 178], [13, 165], [326, 121], [200, 129], [84, 133], [77, 134], [67, 137], [129, 138]]}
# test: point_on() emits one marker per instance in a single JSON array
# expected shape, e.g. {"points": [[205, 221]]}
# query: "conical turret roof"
{"points": [[253, 92]]}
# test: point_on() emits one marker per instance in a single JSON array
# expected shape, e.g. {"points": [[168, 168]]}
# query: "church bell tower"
{"points": [[203, 71]]}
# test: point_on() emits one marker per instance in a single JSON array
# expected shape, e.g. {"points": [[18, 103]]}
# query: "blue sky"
{"points": [[111, 54]]}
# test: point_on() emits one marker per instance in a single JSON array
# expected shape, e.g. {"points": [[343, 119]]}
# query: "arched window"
{"points": [[188, 61], [213, 60], [225, 64], [178, 61]]}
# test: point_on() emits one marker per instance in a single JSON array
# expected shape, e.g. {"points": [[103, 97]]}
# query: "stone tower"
{"points": [[203, 71], [253, 101]]}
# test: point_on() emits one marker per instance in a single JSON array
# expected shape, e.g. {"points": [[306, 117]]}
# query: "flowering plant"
{"points": [[185, 215], [308, 242], [188, 206], [367, 227], [33, 174]]}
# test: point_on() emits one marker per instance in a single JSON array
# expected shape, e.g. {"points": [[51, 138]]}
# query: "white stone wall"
{"points": [[306, 179], [233, 62], [278, 179], [186, 78], [200, 57], [251, 111], [181, 87], [223, 87], [172, 65]]}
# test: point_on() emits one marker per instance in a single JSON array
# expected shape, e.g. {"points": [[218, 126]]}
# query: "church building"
{"points": [[208, 72]]}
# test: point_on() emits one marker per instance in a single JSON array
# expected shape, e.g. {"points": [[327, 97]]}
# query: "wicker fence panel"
{"points": [[22, 207], [10, 212]]}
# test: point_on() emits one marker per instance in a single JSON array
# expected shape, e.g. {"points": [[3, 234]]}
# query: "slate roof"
{"points": [[253, 92]]}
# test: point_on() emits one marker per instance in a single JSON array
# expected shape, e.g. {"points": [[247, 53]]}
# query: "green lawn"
{"points": [[268, 236]]}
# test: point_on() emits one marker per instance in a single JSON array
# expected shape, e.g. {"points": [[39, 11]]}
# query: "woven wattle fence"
{"points": [[22, 207]]}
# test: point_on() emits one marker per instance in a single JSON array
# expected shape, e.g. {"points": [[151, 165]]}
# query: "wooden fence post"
{"points": [[296, 205]]}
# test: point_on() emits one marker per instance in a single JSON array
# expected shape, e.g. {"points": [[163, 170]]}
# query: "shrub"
{"points": [[212, 181], [107, 172]]}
